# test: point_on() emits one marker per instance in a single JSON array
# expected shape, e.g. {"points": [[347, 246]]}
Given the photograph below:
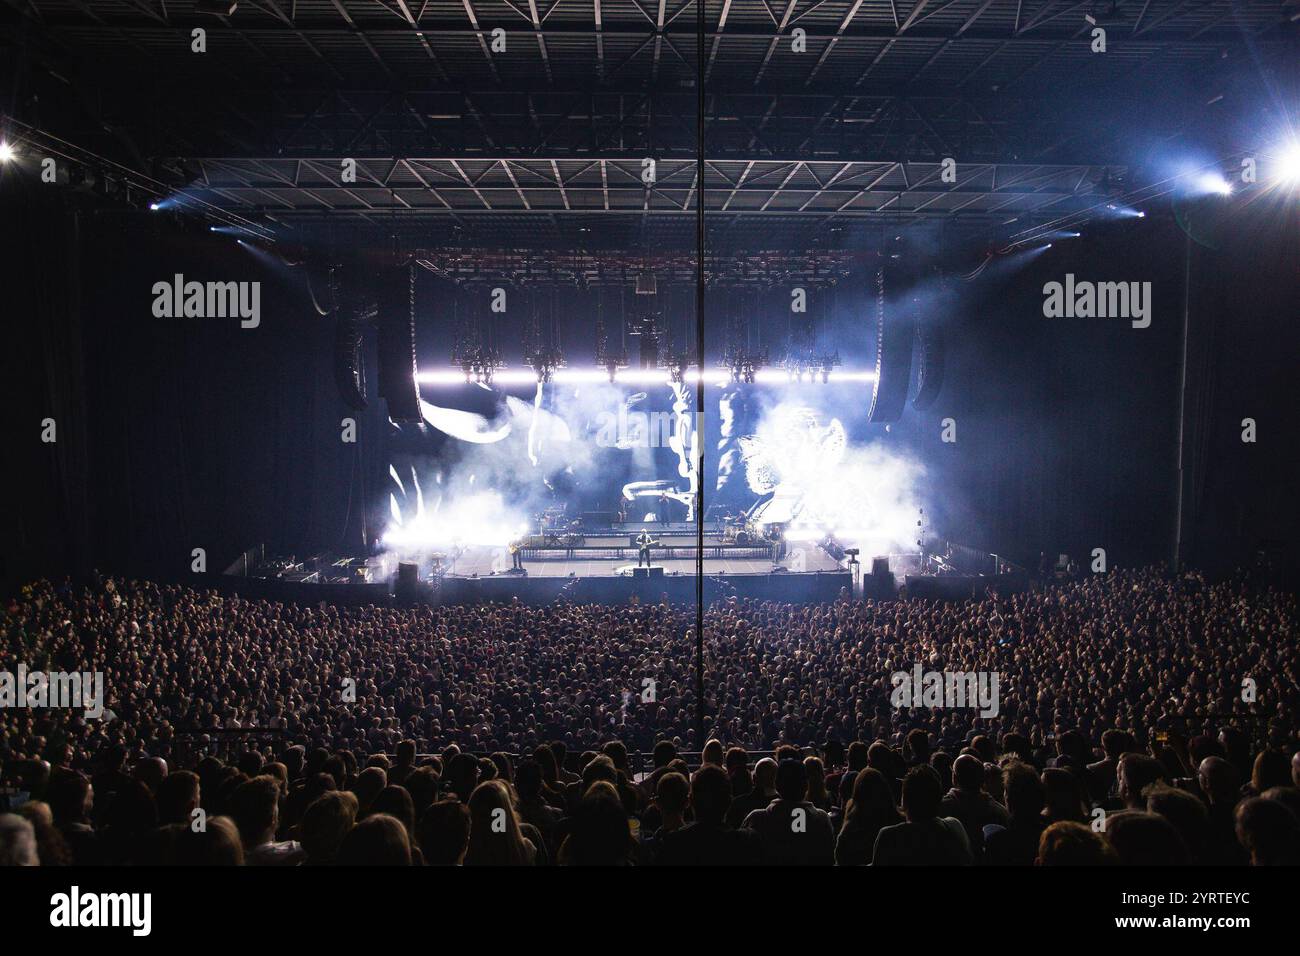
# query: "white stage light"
{"points": [[1215, 183], [1288, 164], [630, 376], [7, 153]]}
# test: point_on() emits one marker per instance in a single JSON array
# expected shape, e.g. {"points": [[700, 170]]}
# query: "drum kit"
{"points": [[739, 530]]}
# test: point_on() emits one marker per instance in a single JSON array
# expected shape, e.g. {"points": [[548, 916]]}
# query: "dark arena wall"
{"points": [[179, 433]]}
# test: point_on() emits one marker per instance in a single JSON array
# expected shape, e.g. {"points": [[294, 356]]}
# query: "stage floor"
{"points": [[487, 562]]}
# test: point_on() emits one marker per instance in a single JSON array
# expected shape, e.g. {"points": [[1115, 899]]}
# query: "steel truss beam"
{"points": [[328, 125], [682, 27], [303, 188]]}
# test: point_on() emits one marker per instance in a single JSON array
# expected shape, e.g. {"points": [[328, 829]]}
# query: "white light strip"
{"points": [[632, 376]]}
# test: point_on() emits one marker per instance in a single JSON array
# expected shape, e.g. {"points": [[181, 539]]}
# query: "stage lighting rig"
{"points": [[544, 360], [478, 359], [608, 358], [677, 363], [739, 356], [806, 352], [541, 353], [811, 362], [479, 365], [823, 363], [648, 329], [744, 363]]}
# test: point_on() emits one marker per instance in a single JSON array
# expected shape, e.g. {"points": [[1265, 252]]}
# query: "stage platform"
{"points": [[602, 571], [605, 573], [489, 562]]}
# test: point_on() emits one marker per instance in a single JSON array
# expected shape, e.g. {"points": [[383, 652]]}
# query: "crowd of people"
{"points": [[1141, 717]]}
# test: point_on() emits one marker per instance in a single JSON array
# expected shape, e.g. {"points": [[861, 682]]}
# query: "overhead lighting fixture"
{"points": [[1288, 164], [218, 8], [582, 376], [7, 153]]}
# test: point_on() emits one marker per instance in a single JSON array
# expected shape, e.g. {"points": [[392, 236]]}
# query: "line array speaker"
{"points": [[349, 368], [894, 332], [397, 364], [930, 356]]}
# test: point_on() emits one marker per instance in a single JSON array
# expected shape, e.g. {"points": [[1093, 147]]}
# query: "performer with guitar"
{"points": [[643, 544]]}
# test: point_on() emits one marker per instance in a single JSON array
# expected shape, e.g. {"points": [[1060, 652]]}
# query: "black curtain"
{"points": [[48, 512], [173, 433], [1066, 427]]}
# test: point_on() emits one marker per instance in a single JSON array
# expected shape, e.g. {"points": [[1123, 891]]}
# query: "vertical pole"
{"points": [[699, 382], [1182, 401]]}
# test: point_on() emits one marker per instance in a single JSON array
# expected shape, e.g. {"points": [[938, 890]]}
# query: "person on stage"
{"points": [[643, 542], [663, 507], [517, 554]]}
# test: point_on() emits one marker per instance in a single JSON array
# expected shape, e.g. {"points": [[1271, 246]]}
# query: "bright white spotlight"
{"points": [[7, 153], [1215, 183], [154, 206], [1288, 164]]}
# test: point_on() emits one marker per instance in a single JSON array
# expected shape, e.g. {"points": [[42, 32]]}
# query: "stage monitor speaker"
{"points": [[880, 566], [656, 572], [878, 587], [398, 370]]}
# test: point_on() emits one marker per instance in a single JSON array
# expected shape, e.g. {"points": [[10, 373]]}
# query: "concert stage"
{"points": [[602, 567], [599, 567], [614, 553]]}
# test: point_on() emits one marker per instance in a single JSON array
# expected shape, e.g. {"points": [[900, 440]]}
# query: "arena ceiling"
{"points": [[542, 143]]}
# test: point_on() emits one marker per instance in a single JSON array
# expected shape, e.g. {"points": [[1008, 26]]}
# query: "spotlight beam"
{"points": [[51, 145]]}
